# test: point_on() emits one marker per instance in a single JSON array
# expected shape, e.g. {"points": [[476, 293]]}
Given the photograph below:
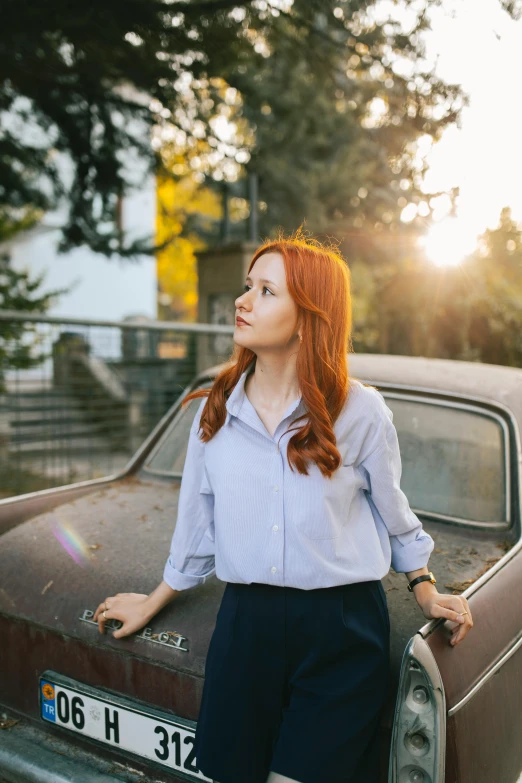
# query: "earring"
{"points": [[300, 338]]}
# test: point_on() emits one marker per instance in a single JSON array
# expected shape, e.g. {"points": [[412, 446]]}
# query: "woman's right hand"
{"points": [[132, 609]]}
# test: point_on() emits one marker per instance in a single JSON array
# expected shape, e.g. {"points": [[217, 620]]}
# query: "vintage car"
{"points": [[76, 705]]}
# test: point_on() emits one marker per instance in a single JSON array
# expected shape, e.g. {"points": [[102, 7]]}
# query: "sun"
{"points": [[447, 243]]}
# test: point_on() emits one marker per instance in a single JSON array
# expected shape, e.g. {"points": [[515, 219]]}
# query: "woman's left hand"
{"points": [[436, 604]]}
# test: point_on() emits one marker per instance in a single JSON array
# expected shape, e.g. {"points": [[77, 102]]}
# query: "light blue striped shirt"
{"points": [[245, 515]]}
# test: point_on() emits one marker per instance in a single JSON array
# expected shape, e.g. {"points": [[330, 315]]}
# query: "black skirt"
{"points": [[295, 682]]}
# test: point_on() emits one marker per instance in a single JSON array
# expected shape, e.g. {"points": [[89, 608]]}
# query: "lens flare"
{"points": [[72, 542]]}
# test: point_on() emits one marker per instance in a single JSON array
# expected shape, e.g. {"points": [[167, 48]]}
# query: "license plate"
{"points": [[120, 723]]}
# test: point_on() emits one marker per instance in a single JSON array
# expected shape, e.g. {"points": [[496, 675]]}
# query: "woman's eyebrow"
{"points": [[263, 280]]}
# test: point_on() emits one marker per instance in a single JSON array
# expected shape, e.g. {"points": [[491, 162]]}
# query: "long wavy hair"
{"points": [[318, 280]]}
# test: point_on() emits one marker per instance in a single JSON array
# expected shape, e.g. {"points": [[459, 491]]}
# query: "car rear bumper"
{"points": [[29, 754]]}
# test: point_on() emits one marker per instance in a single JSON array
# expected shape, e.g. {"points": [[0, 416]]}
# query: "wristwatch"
{"points": [[425, 577]]}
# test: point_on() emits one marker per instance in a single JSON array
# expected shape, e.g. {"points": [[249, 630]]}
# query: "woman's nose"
{"points": [[241, 300]]}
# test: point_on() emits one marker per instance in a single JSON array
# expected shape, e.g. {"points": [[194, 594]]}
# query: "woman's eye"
{"points": [[246, 287]]}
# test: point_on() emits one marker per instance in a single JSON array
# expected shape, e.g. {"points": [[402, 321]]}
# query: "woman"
{"points": [[291, 495]]}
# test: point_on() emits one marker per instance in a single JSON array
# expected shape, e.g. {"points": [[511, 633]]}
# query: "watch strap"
{"points": [[423, 578]]}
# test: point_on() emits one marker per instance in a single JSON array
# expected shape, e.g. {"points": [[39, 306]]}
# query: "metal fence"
{"points": [[92, 392]]}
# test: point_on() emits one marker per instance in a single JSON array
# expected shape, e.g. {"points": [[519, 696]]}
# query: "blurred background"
{"points": [[147, 148]]}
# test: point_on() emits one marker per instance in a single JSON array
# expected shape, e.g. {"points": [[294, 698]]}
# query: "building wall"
{"points": [[99, 287]]}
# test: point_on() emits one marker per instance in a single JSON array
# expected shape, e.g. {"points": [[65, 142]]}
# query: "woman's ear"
{"points": [[299, 329]]}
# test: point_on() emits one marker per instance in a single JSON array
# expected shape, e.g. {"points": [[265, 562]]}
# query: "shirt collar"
{"points": [[238, 397]]}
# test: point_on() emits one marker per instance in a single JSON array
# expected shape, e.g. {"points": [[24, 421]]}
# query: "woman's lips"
{"points": [[240, 322]]}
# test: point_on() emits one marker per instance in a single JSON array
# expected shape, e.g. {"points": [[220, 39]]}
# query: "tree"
{"points": [[495, 307], [90, 81], [94, 79], [328, 118], [184, 211], [336, 131], [19, 342]]}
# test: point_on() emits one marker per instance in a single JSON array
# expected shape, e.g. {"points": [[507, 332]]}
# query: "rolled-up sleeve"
{"points": [[411, 545], [191, 560]]}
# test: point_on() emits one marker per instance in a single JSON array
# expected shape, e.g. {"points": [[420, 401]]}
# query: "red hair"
{"points": [[318, 280]]}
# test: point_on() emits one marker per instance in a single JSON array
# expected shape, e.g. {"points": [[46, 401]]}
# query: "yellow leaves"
{"points": [[177, 263]]}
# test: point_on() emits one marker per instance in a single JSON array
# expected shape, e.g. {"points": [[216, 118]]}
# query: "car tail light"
{"points": [[418, 752]]}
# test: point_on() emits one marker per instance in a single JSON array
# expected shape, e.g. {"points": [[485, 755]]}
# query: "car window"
{"points": [[168, 457], [453, 459]]}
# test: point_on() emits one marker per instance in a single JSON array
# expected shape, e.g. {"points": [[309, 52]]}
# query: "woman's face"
{"points": [[267, 307]]}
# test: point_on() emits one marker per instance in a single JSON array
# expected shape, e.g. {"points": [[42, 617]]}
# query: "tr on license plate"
{"points": [[119, 722]]}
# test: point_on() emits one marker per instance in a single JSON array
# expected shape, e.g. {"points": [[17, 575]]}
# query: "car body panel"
{"points": [[483, 683]]}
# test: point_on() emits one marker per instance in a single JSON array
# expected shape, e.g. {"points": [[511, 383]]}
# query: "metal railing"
{"points": [[93, 392]]}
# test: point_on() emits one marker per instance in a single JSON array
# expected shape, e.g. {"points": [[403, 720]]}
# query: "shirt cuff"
{"points": [[180, 581], [410, 556]]}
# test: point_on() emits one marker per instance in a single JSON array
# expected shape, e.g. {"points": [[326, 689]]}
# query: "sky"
{"points": [[476, 44]]}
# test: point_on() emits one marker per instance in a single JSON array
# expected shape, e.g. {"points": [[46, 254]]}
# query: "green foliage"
{"points": [[96, 80], [495, 308], [336, 123], [19, 341]]}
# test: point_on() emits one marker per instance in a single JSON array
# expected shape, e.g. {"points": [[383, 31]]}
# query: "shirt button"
{"points": [[276, 488], [276, 527], [273, 569]]}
